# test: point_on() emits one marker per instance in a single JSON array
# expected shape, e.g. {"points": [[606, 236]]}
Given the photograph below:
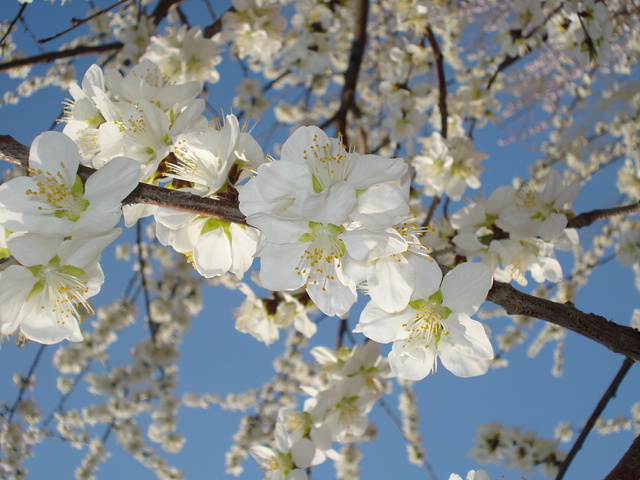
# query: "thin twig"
{"points": [[162, 9], [398, 424], [608, 395], [65, 396], [81, 21], [13, 23], [342, 331], [216, 26], [25, 380], [142, 263], [57, 55]]}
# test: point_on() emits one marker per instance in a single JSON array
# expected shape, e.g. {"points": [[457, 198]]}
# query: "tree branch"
{"points": [[442, 81], [25, 380], [13, 23], [210, 30], [629, 465], [183, 201], [617, 338], [76, 22], [162, 9], [587, 218], [57, 55], [14, 152], [348, 97], [608, 395], [158, 14]]}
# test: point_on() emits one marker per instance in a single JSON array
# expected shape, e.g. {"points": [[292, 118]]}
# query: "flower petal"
{"points": [[409, 368], [212, 253], [392, 283], [466, 286], [382, 326], [55, 152], [44, 327], [31, 249], [16, 282]]}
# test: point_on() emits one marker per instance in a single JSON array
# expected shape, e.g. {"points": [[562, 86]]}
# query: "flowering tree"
{"points": [[375, 218]]}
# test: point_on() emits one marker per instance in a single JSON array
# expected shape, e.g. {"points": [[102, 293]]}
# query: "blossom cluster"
{"points": [[332, 219], [448, 166], [263, 318], [336, 232], [327, 217], [138, 115], [160, 124], [55, 227], [349, 384], [515, 232], [496, 443]]}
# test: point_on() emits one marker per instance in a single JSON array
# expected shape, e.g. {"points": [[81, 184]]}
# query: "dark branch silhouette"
{"points": [[442, 81], [608, 395], [158, 14], [348, 96], [618, 338], [57, 55], [13, 23], [76, 22], [629, 465], [587, 218]]}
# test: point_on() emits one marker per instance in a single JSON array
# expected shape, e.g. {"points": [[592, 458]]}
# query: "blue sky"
{"points": [[217, 358]]}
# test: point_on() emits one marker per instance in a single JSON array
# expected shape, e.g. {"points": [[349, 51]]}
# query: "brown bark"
{"points": [[618, 338], [628, 468]]}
